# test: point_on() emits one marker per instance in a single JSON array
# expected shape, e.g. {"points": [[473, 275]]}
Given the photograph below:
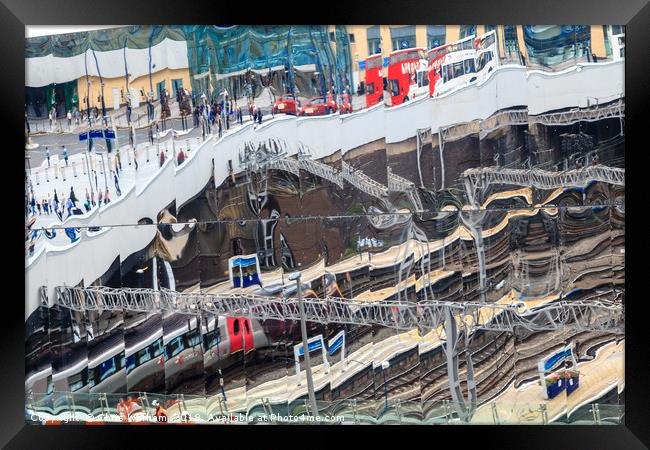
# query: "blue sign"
{"points": [[336, 345], [553, 360], [312, 346], [83, 136], [97, 134]]}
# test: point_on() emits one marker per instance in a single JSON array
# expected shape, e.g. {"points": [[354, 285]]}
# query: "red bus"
{"points": [[407, 75], [462, 62], [374, 80]]}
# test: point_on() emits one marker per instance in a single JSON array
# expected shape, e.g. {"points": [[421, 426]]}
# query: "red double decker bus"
{"points": [[407, 75], [374, 80], [462, 62]]}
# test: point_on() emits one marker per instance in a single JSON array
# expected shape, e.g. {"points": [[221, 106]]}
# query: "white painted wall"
{"points": [[90, 257], [44, 70]]}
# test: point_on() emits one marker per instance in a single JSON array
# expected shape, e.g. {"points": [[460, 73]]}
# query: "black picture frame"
{"points": [[15, 14]]}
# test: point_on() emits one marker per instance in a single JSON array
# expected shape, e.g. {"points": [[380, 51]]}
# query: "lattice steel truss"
{"points": [[478, 179], [597, 315]]}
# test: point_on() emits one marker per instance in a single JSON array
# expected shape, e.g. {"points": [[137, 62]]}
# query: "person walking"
{"points": [[69, 120], [69, 204], [46, 207], [65, 154], [87, 196], [162, 158], [180, 157], [38, 207], [47, 155], [32, 203], [72, 196], [259, 116], [100, 197], [107, 199], [117, 184], [92, 198]]}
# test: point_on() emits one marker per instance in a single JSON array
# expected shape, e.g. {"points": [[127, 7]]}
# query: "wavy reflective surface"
{"points": [[494, 212]]}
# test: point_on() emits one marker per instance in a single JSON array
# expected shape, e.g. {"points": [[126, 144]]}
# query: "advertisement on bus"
{"points": [[407, 75]]}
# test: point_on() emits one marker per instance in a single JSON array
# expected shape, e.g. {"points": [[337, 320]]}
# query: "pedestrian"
{"points": [[162, 158], [69, 120], [180, 157], [51, 122], [87, 206], [107, 200], [100, 198], [69, 204], [92, 198], [219, 125], [594, 57], [38, 206], [259, 116], [65, 154], [96, 184], [32, 203], [47, 155], [72, 196], [117, 184], [151, 134], [46, 208]]}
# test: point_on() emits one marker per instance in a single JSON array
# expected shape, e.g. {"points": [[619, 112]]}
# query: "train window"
{"points": [[107, 368], [486, 42], [79, 380], [130, 363], [212, 339], [194, 338], [235, 327], [144, 355], [92, 376], [247, 326], [468, 44], [175, 346], [157, 347], [370, 88]]}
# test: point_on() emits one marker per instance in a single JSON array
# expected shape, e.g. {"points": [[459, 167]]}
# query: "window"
{"points": [[176, 85], [332, 36], [618, 29], [77, 381], [247, 326], [130, 363], [402, 37], [402, 43], [436, 35], [370, 88], [467, 30], [106, 369], [144, 355], [212, 339], [394, 87], [510, 43], [458, 69], [469, 66], [157, 347], [351, 38], [194, 339], [374, 46], [175, 346], [235, 327]]}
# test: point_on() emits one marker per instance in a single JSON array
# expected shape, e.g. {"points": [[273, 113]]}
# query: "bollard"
{"points": [[148, 153], [56, 172], [187, 144], [74, 170], [37, 180], [47, 175], [130, 157], [110, 163], [63, 173]]}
